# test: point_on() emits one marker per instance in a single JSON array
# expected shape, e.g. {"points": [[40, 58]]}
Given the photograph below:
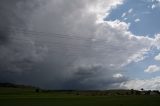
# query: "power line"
{"points": [[53, 35], [58, 35], [28, 32]]}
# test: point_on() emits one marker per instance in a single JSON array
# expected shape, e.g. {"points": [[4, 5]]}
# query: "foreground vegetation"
{"points": [[28, 96]]}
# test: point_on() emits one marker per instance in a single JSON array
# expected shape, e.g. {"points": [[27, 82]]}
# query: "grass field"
{"points": [[28, 97]]}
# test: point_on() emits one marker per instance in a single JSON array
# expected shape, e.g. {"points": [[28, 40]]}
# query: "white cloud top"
{"points": [[123, 15], [153, 6], [130, 10], [117, 76], [137, 20], [157, 57], [152, 69], [148, 84]]}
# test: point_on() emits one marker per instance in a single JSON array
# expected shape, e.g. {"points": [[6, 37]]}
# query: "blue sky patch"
{"points": [[144, 19]]}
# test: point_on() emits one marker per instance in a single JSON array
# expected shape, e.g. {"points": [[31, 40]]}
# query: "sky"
{"points": [[80, 44]]}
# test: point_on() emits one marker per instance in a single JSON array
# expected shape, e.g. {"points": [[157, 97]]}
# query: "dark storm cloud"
{"points": [[93, 78], [58, 62], [4, 37], [13, 13], [16, 54]]}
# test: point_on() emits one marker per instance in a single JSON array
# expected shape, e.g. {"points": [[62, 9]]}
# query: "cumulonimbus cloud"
{"points": [[68, 44]]}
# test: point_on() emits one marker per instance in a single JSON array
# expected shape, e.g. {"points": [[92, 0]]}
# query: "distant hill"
{"points": [[17, 88], [15, 85]]}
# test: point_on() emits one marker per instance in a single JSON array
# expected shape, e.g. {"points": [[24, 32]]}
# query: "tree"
{"points": [[132, 91], [142, 89], [37, 90]]}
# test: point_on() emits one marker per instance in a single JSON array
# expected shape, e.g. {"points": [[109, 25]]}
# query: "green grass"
{"points": [[27, 97]]}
